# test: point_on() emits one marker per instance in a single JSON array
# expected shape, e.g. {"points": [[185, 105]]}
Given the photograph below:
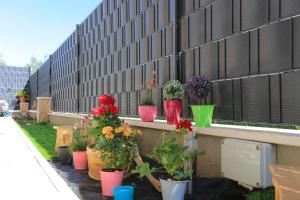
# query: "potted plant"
{"points": [[78, 149], [198, 87], [173, 92], [174, 158], [147, 109], [118, 146], [22, 94], [104, 115]]}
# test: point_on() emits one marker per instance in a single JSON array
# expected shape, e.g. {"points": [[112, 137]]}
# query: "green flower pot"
{"points": [[203, 115]]}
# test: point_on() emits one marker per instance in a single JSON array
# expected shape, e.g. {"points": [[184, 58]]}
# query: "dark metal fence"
{"points": [[250, 48], [13, 79]]}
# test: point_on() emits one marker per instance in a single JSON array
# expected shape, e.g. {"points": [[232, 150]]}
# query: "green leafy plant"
{"points": [[116, 141], [146, 90], [172, 156], [22, 93], [118, 147], [78, 144], [173, 90], [104, 115], [298, 128]]}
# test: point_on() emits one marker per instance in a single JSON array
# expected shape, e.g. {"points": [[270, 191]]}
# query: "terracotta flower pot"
{"points": [[80, 160], [110, 180], [22, 99], [173, 110], [94, 162], [148, 113]]}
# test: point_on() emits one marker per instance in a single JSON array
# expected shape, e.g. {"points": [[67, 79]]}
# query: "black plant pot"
{"points": [[64, 155]]}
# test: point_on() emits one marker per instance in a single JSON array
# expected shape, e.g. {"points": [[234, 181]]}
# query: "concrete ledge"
{"points": [[32, 114], [268, 135]]}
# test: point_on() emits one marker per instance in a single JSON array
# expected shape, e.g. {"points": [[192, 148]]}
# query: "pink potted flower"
{"points": [[78, 149], [147, 109], [118, 148]]}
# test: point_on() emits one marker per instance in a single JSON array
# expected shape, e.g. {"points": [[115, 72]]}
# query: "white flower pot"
{"points": [[173, 190]]}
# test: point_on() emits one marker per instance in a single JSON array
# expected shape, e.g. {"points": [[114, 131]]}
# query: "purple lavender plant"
{"points": [[198, 87]]}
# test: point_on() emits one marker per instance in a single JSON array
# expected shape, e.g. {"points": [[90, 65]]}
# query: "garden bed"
{"points": [[207, 188], [43, 137]]}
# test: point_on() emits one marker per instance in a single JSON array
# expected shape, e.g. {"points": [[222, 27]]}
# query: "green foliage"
{"points": [[298, 128], [144, 170], [146, 91], [118, 152], [255, 124], [99, 122], [172, 156], [266, 194], [35, 64], [43, 136], [146, 101], [22, 93], [173, 90], [78, 144]]}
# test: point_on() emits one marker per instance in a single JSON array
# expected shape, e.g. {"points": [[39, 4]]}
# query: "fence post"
{"points": [[43, 109]]}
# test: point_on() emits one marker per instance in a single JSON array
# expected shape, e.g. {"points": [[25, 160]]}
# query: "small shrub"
{"points": [[78, 143], [198, 87], [173, 90]]}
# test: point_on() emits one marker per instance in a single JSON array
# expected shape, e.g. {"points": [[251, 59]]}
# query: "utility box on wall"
{"points": [[247, 162]]}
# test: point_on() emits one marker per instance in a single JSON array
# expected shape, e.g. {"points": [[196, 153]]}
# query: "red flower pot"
{"points": [[147, 113], [173, 110], [22, 99], [80, 160], [110, 180]]}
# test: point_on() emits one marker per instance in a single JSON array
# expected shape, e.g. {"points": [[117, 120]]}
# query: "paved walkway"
{"points": [[24, 173]]}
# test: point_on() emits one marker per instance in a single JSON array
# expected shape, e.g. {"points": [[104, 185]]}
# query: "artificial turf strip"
{"points": [[42, 135]]}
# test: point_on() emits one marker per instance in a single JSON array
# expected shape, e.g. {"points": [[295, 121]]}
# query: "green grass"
{"points": [[42, 135], [266, 194]]}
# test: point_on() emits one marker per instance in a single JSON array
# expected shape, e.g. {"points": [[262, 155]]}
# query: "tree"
{"points": [[2, 61], [34, 64]]}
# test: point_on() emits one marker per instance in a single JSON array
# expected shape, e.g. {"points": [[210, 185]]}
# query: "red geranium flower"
{"points": [[98, 111], [106, 100], [113, 109], [184, 124]]}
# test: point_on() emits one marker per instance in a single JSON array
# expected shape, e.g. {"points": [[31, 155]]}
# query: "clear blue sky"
{"points": [[37, 27]]}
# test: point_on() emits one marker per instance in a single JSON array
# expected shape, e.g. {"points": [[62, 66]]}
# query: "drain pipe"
{"points": [[191, 142]]}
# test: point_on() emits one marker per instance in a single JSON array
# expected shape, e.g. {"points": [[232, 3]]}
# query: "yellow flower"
{"points": [[127, 131], [119, 130], [139, 132], [109, 136], [107, 130]]}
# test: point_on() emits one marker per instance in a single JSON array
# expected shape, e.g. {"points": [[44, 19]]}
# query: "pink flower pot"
{"points": [[147, 113], [173, 110], [110, 180], [80, 160]]}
